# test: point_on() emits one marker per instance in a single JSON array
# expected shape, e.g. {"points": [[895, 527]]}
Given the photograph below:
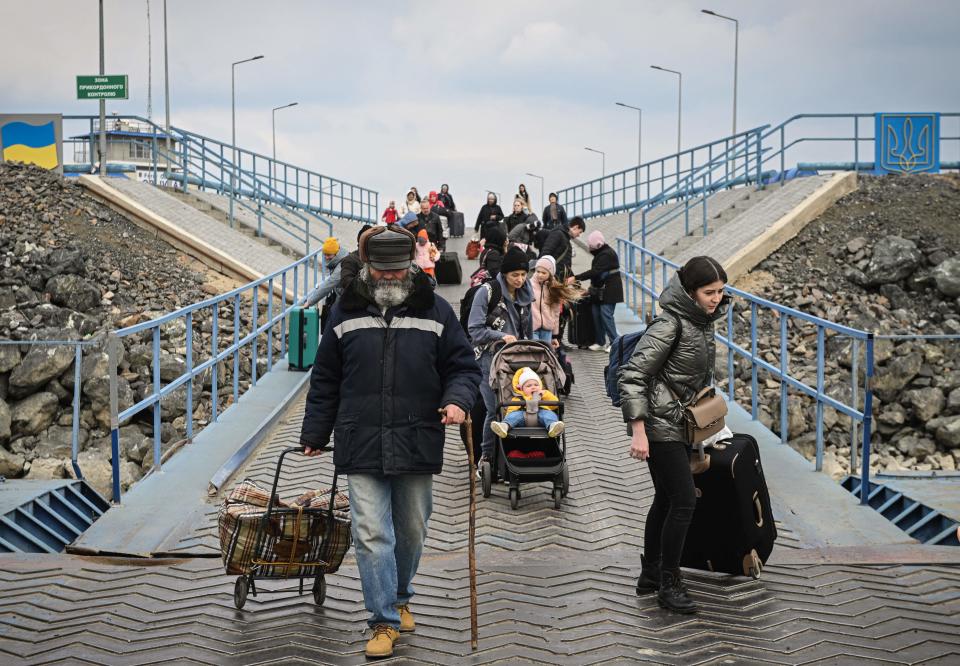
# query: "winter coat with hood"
{"points": [[545, 395], [653, 371], [447, 200], [561, 221], [518, 320], [490, 214], [545, 313], [332, 284], [602, 275], [361, 390]]}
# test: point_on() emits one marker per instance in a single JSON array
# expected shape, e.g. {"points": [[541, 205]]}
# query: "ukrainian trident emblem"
{"points": [[907, 143]]}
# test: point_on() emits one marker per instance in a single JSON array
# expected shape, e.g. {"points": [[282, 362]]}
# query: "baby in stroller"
{"points": [[529, 392]]}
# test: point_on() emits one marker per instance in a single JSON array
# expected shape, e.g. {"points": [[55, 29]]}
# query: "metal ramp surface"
{"points": [[45, 516]]}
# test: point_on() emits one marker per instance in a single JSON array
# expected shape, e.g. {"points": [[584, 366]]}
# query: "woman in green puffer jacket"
{"points": [[673, 360]]}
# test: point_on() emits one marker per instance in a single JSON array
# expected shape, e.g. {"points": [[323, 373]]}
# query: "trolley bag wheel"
{"points": [[752, 564], [565, 488], [319, 590], [240, 589], [514, 498], [486, 476], [557, 493]]}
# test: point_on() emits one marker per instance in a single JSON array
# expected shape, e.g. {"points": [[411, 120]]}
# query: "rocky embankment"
{"points": [[73, 269], [885, 259]]}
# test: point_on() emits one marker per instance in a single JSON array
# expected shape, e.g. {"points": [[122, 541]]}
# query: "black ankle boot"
{"points": [[649, 580], [673, 594]]}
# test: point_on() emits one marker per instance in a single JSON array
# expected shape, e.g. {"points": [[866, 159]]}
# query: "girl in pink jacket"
{"points": [[427, 253], [549, 297]]}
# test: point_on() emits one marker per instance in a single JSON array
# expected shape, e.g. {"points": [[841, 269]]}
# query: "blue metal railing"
{"points": [[290, 284], [213, 162], [78, 346], [651, 182], [667, 178], [647, 273]]}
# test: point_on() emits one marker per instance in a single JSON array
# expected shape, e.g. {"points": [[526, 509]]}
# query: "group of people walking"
{"points": [[395, 366]]}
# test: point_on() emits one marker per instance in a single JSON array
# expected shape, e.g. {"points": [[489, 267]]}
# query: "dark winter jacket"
{"points": [[378, 381], [349, 269], [515, 220], [430, 222], [548, 222], [447, 200], [492, 259], [644, 380], [558, 246], [488, 215], [604, 274], [518, 321]]}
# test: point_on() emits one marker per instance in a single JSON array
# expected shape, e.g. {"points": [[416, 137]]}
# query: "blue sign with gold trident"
{"points": [[907, 143]]}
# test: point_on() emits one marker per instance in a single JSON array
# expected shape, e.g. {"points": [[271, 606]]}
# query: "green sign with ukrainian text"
{"points": [[108, 86]]}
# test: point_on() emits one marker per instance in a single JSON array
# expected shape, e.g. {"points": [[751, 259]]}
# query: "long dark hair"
{"points": [[699, 272]]}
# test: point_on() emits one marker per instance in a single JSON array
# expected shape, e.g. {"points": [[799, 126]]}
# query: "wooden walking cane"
{"points": [[471, 545]]}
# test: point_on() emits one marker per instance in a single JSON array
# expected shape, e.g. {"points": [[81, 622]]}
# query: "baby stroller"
{"points": [[531, 437]]}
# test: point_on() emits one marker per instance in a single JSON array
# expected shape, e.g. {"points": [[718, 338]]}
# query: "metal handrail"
{"points": [[643, 283], [275, 316], [345, 199]]}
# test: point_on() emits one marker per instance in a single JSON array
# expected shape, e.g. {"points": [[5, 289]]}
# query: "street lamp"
{"points": [[166, 85], [603, 162], [736, 48], [679, 97], [273, 125], [639, 129], [533, 175], [233, 128]]}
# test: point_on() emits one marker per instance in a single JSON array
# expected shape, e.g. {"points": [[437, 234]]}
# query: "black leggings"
{"points": [[673, 502]]}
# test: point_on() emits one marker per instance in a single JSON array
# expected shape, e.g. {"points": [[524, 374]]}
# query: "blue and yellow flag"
{"points": [[31, 144]]}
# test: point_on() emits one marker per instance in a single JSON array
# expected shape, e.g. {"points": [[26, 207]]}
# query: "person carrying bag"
{"points": [[669, 403]]}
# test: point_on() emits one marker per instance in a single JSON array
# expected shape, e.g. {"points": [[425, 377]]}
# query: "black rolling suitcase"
{"points": [[580, 331], [456, 224], [448, 269], [732, 529]]}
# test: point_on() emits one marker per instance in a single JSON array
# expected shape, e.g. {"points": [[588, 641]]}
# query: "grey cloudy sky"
{"points": [[476, 94]]}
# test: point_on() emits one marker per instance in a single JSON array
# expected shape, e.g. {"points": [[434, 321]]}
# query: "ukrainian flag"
{"points": [[31, 144]]}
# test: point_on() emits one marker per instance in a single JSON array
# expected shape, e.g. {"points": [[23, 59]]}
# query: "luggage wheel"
{"points": [[319, 590], [752, 565], [240, 589]]}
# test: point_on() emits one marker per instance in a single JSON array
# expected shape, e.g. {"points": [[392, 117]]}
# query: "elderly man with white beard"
{"points": [[393, 368]]}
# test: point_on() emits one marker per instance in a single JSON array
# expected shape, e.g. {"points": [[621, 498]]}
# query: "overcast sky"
{"points": [[475, 94]]}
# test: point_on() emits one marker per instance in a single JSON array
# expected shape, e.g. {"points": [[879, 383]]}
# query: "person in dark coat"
{"points": [[517, 217], [429, 221], [493, 250], [672, 362], [606, 289], [393, 368], [351, 264], [558, 246], [446, 197], [554, 214], [489, 216]]}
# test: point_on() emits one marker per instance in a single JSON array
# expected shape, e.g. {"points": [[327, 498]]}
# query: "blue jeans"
{"points": [[603, 322], [545, 417], [390, 515], [543, 334]]}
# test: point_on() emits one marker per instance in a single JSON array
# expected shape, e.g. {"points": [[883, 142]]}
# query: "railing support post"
{"points": [[112, 359], [867, 425]]}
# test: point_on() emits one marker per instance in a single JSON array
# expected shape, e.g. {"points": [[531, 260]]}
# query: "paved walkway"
{"points": [[233, 242], [555, 587]]}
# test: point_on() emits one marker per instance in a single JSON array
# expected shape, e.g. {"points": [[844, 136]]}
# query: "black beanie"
{"points": [[515, 260], [496, 238]]}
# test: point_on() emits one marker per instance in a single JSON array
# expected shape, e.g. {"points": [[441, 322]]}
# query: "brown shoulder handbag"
{"points": [[704, 416]]}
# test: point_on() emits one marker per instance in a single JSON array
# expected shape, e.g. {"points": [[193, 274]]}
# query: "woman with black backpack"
{"points": [[500, 314], [672, 362], [606, 290]]}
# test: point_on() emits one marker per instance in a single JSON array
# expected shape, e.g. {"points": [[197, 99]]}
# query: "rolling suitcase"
{"points": [[456, 224], [448, 269], [303, 338], [732, 530], [580, 331]]}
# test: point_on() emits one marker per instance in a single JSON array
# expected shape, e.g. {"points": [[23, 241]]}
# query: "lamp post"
{"points": [[603, 163], [639, 129], [166, 84], [679, 98], [233, 128], [103, 106], [273, 125], [533, 175], [736, 48]]}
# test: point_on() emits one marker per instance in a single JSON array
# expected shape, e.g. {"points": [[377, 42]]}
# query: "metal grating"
{"points": [[919, 521], [45, 517]]}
